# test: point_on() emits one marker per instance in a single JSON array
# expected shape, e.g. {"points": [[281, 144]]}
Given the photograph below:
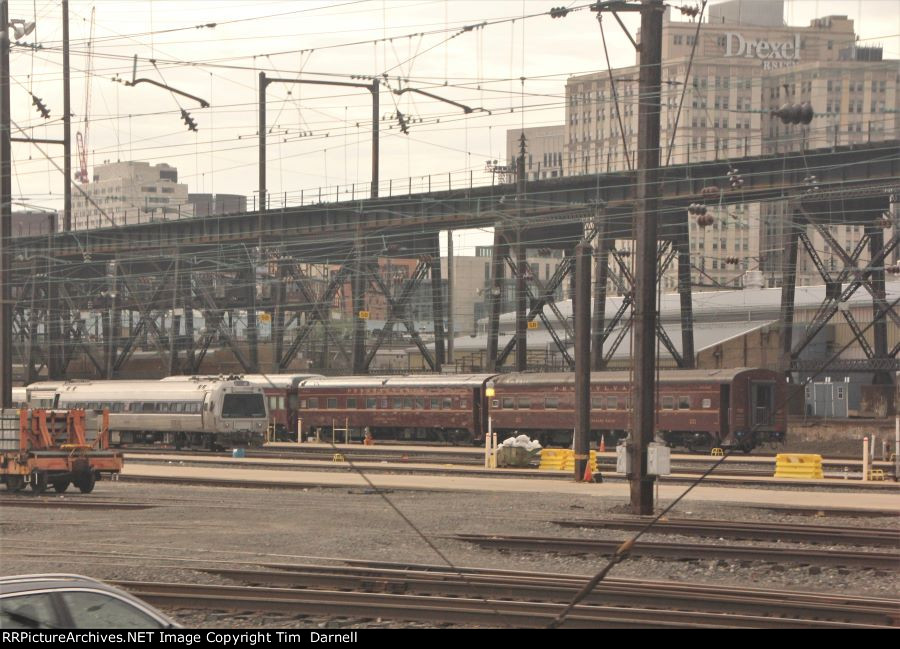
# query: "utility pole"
{"points": [[5, 215], [67, 122], [645, 226]]}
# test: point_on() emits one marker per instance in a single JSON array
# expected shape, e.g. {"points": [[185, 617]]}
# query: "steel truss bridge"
{"points": [[211, 265]]}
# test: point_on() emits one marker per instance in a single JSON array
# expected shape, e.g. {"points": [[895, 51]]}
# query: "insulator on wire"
{"points": [[795, 113], [687, 10], [559, 12], [188, 120], [42, 109]]}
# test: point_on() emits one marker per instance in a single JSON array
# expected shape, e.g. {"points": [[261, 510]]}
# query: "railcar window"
{"points": [[462, 403], [597, 402], [408, 403], [371, 403], [509, 402], [420, 403], [448, 403], [148, 407], [384, 403], [551, 403], [162, 407], [684, 403], [314, 402], [707, 403], [524, 402], [303, 403], [331, 403], [435, 404], [495, 403], [398, 403], [668, 403], [612, 403], [243, 405], [351, 402]]}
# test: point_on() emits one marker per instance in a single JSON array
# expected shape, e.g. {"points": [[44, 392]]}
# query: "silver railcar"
{"points": [[195, 413]]}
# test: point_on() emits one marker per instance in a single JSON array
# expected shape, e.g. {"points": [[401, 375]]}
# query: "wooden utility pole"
{"points": [[646, 214], [645, 229]]}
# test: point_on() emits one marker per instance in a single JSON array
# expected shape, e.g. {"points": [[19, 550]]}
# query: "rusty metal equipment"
{"points": [[55, 448]]}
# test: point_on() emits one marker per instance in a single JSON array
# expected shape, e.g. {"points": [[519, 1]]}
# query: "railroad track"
{"points": [[517, 599], [847, 559], [26, 500], [827, 534]]}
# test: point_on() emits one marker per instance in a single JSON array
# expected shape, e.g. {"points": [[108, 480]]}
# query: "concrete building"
{"points": [[129, 193], [217, 204], [544, 147], [747, 63], [33, 223]]}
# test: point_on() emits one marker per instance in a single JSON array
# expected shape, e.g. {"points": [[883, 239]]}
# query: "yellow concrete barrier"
{"points": [[563, 459], [797, 465], [338, 458], [553, 459], [717, 452], [876, 474]]}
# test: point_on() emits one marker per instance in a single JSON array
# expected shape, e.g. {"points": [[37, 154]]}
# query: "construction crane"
{"points": [[81, 141]]}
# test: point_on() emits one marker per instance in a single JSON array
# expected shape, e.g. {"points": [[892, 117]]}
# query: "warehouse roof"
{"points": [[746, 304]]}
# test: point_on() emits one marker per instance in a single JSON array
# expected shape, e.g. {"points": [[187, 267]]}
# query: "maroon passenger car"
{"points": [[698, 409], [434, 408]]}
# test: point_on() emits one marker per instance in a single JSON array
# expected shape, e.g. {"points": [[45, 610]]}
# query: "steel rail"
{"points": [[561, 589], [755, 531], [872, 560], [435, 609]]}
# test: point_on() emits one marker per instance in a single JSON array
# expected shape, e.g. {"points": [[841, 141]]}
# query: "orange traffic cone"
{"points": [[602, 444], [588, 476]]}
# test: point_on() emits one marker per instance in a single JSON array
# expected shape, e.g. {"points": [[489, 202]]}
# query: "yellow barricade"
{"points": [[553, 459], [876, 474], [796, 465], [563, 459]]}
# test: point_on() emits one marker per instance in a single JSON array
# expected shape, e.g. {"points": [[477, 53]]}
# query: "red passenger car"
{"points": [[698, 409], [434, 408]]}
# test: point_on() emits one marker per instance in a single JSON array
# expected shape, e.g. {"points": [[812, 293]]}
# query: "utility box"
{"points": [[623, 460], [659, 459]]}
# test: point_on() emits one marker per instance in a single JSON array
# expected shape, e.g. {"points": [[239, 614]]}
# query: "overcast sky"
{"points": [[420, 41]]}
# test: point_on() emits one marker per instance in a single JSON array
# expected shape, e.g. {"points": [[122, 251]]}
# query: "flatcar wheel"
{"points": [[15, 483], [39, 482], [85, 482], [60, 486]]}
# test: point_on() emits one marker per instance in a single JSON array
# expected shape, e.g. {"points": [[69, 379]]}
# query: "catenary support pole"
{"points": [[5, 215], [358, 287], [683, 247], [879, 329], [521, 265], [788, 284], [582, 307], [645, 317], [499, 252], [437, 302], [601, 258], [451, 328]]}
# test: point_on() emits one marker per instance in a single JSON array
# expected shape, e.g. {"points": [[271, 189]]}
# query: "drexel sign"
{"points": [[773, 54]]}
